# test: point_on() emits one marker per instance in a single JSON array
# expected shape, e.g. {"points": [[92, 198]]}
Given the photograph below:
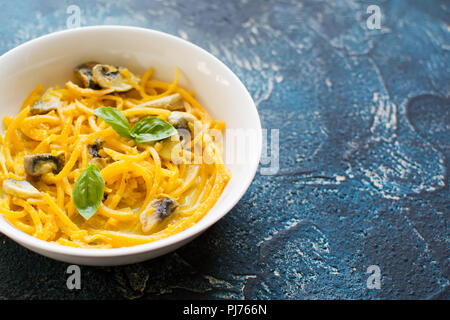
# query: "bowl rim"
{"points": [[185, 235]]}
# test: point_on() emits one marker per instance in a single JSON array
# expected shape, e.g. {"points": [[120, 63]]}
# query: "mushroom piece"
{"points": [[96, 151], [43, 107], [95, 148], [39, 164], [181, 120], [98, 155], [21, 189], [172, 102], [164, 207], [172, 149], [111, 77], [46, 104], [83, 73]]}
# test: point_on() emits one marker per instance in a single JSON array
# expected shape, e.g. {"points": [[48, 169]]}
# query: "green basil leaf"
{"points": [[115, 119], [88, 191], [152, 129]]}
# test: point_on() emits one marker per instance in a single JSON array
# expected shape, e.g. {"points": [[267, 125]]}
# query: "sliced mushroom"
{"points": [[99, 157], [172, 102], [83, 73], [180, 120], [46, 104], [164, 207], [95, 148], [185, 137], [39, 164], [172, 149], [111, 77], [21, 189]]}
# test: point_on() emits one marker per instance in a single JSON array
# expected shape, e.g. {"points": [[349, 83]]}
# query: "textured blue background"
{"points": [[364, 119]]}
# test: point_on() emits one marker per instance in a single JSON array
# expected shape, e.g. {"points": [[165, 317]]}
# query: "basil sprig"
{"points": [[88, 191], [115, 119], [146, 130], [152, 129]]}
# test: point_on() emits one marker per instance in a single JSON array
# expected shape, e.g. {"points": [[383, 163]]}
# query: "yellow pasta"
{"points": [[152, 189]]}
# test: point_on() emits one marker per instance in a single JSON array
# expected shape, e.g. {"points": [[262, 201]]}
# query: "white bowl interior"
{"points": [[50, 60]]}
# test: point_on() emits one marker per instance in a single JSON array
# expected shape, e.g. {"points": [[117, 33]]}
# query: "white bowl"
{"points": [[50, 60]]}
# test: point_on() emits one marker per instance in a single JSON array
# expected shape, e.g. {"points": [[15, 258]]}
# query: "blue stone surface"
{"points": [[364, 120]]}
